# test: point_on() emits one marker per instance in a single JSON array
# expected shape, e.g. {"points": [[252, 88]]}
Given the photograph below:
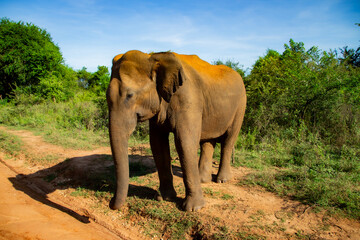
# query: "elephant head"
{"points": [[138, 84]]}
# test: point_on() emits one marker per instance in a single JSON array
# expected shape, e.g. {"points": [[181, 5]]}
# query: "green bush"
{"points": [[304, 87], [27, 54]]}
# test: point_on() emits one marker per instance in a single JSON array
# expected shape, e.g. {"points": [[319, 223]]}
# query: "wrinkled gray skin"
{"points": [[200, 103]]}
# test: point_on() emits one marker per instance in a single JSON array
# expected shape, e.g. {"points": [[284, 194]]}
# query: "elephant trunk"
{"points": [[119, 132]]}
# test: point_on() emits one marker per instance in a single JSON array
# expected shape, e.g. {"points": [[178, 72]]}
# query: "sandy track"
{"points": [[23, 217]]}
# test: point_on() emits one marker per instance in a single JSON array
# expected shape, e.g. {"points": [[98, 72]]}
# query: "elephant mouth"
{"points": [[140, 118]]}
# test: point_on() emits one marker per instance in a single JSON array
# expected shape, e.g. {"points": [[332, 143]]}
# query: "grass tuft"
{"points": [[10, 144]]}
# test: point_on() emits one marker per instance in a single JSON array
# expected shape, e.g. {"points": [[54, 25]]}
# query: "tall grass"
{"points": [[76, 123]]}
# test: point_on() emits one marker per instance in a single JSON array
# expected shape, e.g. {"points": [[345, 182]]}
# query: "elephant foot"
{"points": [[192, 204], [167, 195], [223, 177], [115, 204], [221, 180]]}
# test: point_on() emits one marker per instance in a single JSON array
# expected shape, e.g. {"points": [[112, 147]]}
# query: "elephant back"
{"points": [[212, 72]]}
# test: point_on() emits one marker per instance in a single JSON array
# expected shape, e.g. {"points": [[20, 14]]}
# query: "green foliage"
{"points": [[100, 79], [78, 123], [27, 54], [10, 144], [31, 68], [83, 77], [58, 85], [97, 81], [310, 87], [350, 56]]}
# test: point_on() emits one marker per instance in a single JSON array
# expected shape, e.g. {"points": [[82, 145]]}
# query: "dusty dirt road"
{"points": [[23, 217], [31, 208]]}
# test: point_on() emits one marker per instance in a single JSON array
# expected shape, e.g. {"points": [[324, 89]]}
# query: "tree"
{"points": [[27, 55], [97, 81], [304, 87], [83, 77], [100, 78], [350, 56], [59, 85]]}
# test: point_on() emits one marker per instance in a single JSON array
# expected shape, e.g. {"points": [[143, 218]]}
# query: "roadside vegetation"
{"points": [[10, 144], [301, 134]]}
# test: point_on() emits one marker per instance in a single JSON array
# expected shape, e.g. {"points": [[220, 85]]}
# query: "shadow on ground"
{"points": [[93, 172]]}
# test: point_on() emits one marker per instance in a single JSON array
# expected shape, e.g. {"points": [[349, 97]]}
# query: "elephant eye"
{"points": [[129, 95]]}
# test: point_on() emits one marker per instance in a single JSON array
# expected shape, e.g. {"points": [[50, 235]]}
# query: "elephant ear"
{"points": [[168, 74]]}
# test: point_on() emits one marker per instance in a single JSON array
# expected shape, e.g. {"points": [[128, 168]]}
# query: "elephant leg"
{"points": [[224, 173], [227, 146], [205, 163], [159, 141], [187, 146]]}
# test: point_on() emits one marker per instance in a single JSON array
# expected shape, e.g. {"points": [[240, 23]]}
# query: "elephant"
{"points": [[200, 103]]}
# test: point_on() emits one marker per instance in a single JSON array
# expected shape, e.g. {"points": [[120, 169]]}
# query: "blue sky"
{"points": [[89, 33]]}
